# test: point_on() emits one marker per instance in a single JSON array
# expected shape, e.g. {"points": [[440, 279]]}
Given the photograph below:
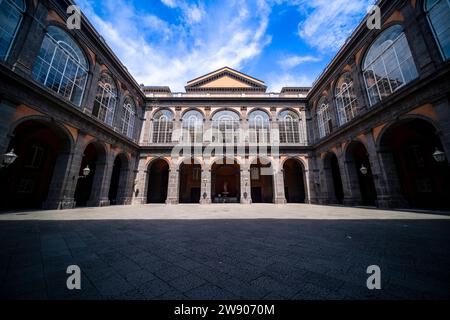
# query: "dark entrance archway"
{"points": [[190, 182], [334, 178], [94, 157], [357, 159], [158, 181], [42, 148], [294, 182], [118, 180], [261, 177], [225, 182], [423, 181]]}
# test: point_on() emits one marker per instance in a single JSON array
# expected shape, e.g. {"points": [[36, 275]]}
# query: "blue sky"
{"points": [[169, 42]]}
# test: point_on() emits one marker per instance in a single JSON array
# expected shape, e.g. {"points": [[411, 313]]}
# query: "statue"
{"points": [[225, 187]]}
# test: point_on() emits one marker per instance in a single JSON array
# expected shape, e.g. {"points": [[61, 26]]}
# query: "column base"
{"points": [[389, 202], [138, 201], [63, 204], [99, 203], [205, 201], [352, 202], [280, 201], [172, 201]]}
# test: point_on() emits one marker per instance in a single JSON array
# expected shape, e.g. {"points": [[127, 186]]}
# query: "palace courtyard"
{"points": [[225, 251]]}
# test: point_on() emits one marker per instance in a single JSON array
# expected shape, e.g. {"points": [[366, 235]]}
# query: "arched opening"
{"points": [[42, 150], [94, 157], [158, 181], [261, 177], [225, 181], [334, 178], [424, 182], [118, 180], [190, 182], [294, 182], [361, 171]]}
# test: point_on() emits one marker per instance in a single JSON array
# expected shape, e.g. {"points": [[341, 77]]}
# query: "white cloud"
{"points": [[294, 61], [192, 12], [182, 52], [328, 23], [278, 81]]}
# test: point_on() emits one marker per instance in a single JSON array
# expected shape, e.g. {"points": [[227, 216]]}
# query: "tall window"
{"points": [[388, 65], [438, 12], [193, 127], [291, 127], [11, 13], [105, 100], [346, 102], [324, 119], [163, 126], [259, 126], [61, 65], [128, 117], [225, 127]]}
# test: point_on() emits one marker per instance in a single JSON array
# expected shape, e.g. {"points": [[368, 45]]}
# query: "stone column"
{"points": [[140, 187], [309, 174], [25, 57], [278, 185], [173, 185], [442, 108], [205, 197], [350, 182], [66, 199], [102, 181], [60, 178], [386, 182], [7, 110], [146, 128], [126, 183], [246, 196]]}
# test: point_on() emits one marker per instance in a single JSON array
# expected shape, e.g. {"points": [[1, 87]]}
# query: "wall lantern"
{"points": [[364, 170], [439, 156], [8, 159], [86, 172]]}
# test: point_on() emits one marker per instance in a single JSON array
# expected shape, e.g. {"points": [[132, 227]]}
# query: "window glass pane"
{"points": [[439, 17], [10, 17]]}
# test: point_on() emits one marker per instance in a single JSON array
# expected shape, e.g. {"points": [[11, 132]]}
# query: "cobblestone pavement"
{"points": [[224, 252]]}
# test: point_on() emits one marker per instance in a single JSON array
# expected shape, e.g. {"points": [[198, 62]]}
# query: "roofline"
{"points": [[210, 73]]}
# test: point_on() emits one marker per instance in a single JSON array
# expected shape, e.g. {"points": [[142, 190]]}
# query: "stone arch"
{"points": [[120, 173], [333, 178], [158, 170], [295, 183], [406, 149], [37, 177]]}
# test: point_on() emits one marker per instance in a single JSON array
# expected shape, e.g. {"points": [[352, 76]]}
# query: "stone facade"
{"points": [[328, 167]]}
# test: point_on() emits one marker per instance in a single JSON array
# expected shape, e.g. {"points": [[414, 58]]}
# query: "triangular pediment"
{"points": [[226, 79]]}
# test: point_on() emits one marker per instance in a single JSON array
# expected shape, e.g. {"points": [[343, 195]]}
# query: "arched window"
{"points": [[438, 12], [61, 65], [193, 127], [324, 119], [105, 100], [388, 65], [11, 13], [163, 126], [259, 126], [346, 102], [128, 117], [225, 127], [291, 127]]}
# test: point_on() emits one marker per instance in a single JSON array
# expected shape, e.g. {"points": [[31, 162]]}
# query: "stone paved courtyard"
{"points": [[224, 252]]}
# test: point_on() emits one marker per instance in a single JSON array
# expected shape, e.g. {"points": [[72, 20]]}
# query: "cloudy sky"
{"points": [[169, 42]]}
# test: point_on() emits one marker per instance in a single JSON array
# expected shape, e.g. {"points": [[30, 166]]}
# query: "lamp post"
{"points": [[8, 159]]}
